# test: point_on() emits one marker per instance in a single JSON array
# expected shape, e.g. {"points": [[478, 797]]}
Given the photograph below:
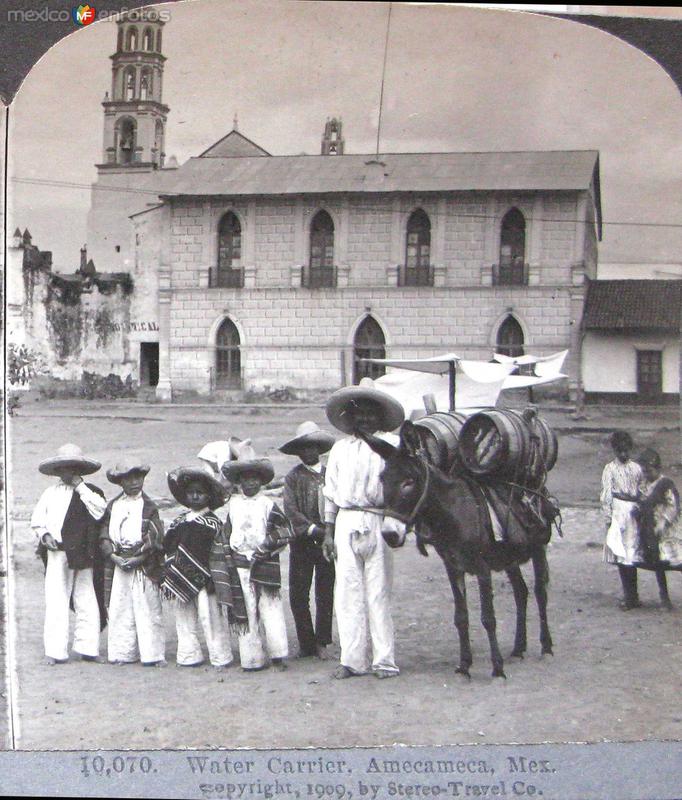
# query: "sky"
{"points": [[457, 79]]}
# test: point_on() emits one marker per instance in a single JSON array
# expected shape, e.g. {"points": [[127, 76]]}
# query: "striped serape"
{"points": [[188, 545]]}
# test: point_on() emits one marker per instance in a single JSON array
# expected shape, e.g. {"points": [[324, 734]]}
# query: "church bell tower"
{"points": [[134, 113], [131, 172]]}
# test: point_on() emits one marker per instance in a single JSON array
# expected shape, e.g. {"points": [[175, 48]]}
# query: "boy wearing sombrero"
{"points": [[131, 540], [353, 520], [65, 521], [304, 505], [256, 530], [187, 572]]}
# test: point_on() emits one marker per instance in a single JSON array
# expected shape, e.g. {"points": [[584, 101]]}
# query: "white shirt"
{"points": [[125, 523], [249, 518], [352, 477], [50, 511]]}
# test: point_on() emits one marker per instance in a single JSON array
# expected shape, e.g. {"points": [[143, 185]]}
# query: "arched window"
{"points": [[158, 41], [229, 272], [148, 39], [228, 367], [129, 84], [320, 271], [158, 155], [417, 270], [131, 39], [512, 269], [125, 140], [146, 85], [510, 338], [369, 342]]}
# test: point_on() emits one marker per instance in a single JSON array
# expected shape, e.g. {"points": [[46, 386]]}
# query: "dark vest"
{"points": [[80, 532]]}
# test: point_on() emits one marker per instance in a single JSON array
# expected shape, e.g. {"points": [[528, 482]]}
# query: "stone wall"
{"points": [[303, 338]]}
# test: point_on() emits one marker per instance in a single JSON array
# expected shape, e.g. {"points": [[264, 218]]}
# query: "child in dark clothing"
{"points": [[302, 505], [187, 575]]}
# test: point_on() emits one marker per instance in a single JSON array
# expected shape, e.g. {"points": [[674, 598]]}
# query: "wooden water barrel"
{"points": [[439, 434], [505, 444]]}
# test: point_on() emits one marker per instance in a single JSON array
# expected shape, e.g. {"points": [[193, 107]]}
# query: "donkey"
{"points": [[448, 516]]}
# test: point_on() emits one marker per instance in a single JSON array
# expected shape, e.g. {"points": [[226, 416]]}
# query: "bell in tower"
{"points": [[332, 140], [134, 113]]}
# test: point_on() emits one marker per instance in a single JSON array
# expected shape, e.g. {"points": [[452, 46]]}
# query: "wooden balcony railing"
{"points": [[415, 276], [319, 277], [510, 274], [225, 278]]}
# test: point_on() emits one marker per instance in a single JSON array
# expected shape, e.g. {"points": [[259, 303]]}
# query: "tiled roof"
{"points": [[572, 170], [633, 304]]}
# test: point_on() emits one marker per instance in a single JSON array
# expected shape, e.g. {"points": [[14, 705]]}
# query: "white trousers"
{"points": [[203, 611], [363, 589], [136, 629], [60, 584], [267, 627]]}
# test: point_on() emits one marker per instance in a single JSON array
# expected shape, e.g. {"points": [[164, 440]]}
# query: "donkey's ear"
{"points": [[409, 438], [383, 448]]}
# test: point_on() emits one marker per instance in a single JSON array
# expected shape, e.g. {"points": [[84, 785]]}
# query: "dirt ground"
{"points": [[614, 675]]}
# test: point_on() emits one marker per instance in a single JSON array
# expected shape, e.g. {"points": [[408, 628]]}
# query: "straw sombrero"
{"points": [[70, 457], [308, 433], [124, 468], [341, 402], [179, 479], [247, 462], [217, 453]]}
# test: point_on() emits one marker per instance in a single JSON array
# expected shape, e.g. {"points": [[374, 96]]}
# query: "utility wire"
{"points": [[383, 76], [385, 209]]}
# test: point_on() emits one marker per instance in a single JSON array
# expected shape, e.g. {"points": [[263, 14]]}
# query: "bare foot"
{"points": [[159, 664], [191, 666], [385, 673], [279, 664], [341, 672], [91, 659], [321, 652], [51, 662]]}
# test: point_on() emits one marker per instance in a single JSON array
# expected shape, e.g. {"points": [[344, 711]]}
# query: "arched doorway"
{"points": [[510, 338], [228, 363], [369, 342]]}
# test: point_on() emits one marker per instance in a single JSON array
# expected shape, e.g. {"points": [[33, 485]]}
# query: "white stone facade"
{"points": [[303, 338]]}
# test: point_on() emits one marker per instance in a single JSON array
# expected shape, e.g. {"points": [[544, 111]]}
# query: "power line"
{"points": [[383, 76], [385, 209]]}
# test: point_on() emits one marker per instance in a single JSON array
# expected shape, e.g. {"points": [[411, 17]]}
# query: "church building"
{"points": [[253, 271]]}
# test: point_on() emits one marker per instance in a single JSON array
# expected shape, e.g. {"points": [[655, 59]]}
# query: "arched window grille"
{"points": [[417, 270], [510, 338], [229, 273], [512, 268], [228, 369], [321, 272], [369, 342]]}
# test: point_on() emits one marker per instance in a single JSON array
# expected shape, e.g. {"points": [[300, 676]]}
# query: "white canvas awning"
{"points": [[472, 385]]}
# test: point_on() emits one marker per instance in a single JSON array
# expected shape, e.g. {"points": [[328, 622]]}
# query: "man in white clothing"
{"points": [[64, 521], [353, 521]]}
